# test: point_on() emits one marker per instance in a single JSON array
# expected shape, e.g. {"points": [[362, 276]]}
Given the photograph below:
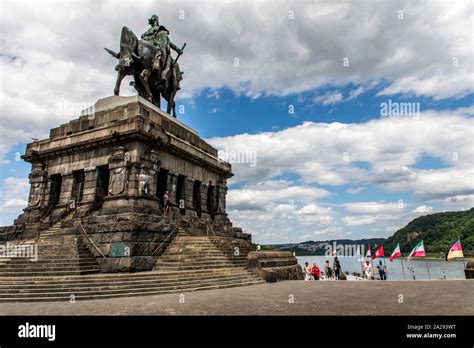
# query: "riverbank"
{"points": [[281, 298]]}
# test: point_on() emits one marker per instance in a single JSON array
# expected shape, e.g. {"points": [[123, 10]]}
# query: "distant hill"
{"points": [[438, 231], [319, 247]]}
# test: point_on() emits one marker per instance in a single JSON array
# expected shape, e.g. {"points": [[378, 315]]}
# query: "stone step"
{"points": [[47, 266], [155, 282], [28, 262], [126, 293], [53, 258], [189, 248], [191, 267], [112, 290], [118, 277], [186, 258], [47, 273], [191, 258], [191, 251]]}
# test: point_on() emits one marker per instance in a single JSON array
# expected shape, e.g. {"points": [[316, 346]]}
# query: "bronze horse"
{"points": [[136, 58]]}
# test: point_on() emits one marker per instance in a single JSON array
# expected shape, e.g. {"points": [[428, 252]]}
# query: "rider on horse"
{"points": [[158, 36]]}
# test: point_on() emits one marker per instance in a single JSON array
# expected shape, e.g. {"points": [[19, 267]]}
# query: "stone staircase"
{"points": [[192, 252], [101, 286], [190, 263], [57, 254]]}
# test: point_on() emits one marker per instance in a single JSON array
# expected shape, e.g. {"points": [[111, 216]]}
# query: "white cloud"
{"points": [[258, 195], [359, 220], [356, 190], [11, 201], [423, 209], [42, 64], [373, 207], [379, 219], [329, 98], [382, 152]]}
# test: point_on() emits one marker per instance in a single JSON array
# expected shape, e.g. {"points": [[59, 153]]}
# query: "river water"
{"points": [[438, 269]]}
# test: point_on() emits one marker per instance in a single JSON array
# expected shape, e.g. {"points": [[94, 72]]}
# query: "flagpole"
{"points": [[463, 262], [403, 268], [372, 262], [429, 276]]}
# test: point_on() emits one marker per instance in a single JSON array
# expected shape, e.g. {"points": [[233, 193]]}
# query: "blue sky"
{"points": [[328, 163]]}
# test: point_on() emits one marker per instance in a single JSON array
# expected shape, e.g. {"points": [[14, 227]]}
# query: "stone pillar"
{"points": [[119, 164], [90, 182], [171, 186], [38, 181], [221, 194], [150, 164], [188, 193], [204, 198], [66, 189]]}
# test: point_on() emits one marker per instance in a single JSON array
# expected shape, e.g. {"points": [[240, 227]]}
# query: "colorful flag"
{"points": [[396, 253], [418, 251], [368, 252], [455, 251], [378, 253]]}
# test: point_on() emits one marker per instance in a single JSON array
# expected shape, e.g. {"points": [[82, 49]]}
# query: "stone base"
{"points": [[273, 266], [126, 264], [469, 270]]}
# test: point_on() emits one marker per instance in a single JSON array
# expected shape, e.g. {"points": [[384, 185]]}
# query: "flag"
{"points": [[418, 251], [455, 251], [368, 252], [378, 253], [396, 253]]}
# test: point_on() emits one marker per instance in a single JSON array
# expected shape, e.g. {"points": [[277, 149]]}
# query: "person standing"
{"points": [[166, 202], [382, 269], [307, 272], [367, 270], [327, 270], [337, 268]]}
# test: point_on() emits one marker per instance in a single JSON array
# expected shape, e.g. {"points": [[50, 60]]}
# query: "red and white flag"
{"points": [[455, 251], [378, 253], [418, 251], [368, 252], [396, 253]]}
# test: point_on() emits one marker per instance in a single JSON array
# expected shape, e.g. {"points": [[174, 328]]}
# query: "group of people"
{"points": [[334, 271], [330, 272], [368, 272]]}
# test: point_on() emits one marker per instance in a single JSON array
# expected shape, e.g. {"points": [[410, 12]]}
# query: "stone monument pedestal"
{"points": [[104, 176]]}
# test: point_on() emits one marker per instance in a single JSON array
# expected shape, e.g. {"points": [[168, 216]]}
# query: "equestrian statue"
{"points": [[156, 74]]}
